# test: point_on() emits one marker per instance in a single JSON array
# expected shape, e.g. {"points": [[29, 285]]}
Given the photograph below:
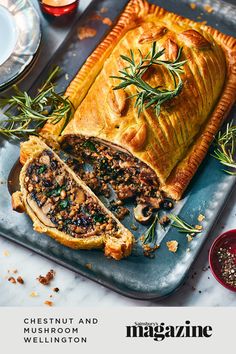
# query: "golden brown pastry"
{"points": [[141, 152], [174, 143], [61, 205]]}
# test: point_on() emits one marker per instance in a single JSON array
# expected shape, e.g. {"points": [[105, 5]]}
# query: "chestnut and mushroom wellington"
{"points": [[147, 104], [159, 85], [61, 205]]}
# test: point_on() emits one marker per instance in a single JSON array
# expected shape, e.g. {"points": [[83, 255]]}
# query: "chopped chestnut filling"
{"points": [[113, 167], [59, 202]]}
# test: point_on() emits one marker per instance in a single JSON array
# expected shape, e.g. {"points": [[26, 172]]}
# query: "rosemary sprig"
{"points": [[182, 225], [149, 235], [32, 113], [147, 95], [226, 148]]}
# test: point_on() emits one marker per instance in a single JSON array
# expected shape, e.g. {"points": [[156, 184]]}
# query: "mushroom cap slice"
{"points": [[142, 213]]}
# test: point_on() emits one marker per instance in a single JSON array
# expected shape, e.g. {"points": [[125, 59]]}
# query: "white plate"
{"points": [[8, 34], [19, 38]]}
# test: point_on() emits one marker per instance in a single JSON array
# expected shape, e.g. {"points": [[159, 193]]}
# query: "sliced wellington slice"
{"points": [[61, 205], [112, 167]]}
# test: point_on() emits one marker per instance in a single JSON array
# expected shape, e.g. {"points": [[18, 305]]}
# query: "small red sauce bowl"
{"points": [[225, 240], [52, 7]]}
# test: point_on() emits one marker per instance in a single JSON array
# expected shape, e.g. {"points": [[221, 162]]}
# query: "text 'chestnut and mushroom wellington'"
{"points": [[61, 205]]}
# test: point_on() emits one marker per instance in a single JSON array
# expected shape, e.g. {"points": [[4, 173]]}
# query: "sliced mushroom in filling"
{"points": [[58, 201], [112, 167]]}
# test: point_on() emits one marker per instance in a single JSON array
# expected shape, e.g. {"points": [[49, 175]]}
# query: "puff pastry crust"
{"points": [[174, 144]]}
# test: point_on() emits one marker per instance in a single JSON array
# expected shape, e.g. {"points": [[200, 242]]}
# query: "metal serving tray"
{"points": [[137, 276]]}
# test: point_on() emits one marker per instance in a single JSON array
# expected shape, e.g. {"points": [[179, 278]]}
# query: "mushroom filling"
{"points": [[58, 201], [114, 168]]}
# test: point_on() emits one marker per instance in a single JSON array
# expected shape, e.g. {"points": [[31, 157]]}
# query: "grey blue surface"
{"points": [[136, 276]]}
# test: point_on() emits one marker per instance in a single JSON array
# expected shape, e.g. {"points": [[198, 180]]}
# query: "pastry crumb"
{"points": [[147, 248], [198, 227], [33, 294], [103, 10], [208, 9], [134, 227], [12, 280], [45, 280], [164, 220], [193, 6], [56, 290], [20, 280], [172, 246], [88, 265], [188, 250], [107, 21], [48, 303], [189, 238], [95, 17], [148, 251], [6, 253], [201, 217], [86, 32], [14, 271]]}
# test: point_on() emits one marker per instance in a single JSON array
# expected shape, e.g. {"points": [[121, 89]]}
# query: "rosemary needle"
{"points": [[182, 225], [226, 148], [149, 235], [32, 113], [148, 96]]}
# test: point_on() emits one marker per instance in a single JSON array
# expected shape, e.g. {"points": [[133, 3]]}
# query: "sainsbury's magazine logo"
{"points": [[160, 331]]}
